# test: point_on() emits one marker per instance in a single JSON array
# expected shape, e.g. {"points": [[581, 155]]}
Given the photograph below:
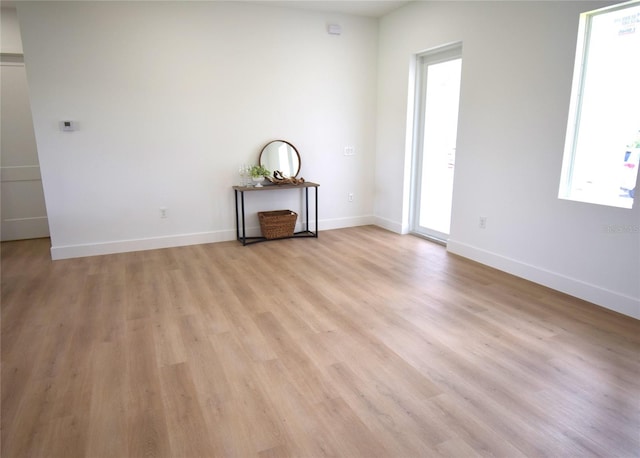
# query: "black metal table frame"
{"points": [[300, 234]]}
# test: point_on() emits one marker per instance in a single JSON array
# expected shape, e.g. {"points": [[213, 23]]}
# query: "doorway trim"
{"points": [[431, 56]]}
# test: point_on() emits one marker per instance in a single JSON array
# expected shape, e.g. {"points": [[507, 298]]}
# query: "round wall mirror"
{"points": [[280, 155]]}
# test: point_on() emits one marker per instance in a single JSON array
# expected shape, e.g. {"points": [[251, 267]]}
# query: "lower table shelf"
{"points": [[241, 232]]}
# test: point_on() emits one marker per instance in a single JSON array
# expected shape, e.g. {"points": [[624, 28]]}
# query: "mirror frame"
{"points": [[291, 146]]}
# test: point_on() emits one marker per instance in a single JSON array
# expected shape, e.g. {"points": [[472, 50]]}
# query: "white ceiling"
{"points": [[370, 8]]}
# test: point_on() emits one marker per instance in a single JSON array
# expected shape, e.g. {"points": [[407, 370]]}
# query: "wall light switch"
{"points": [[67, 126]]}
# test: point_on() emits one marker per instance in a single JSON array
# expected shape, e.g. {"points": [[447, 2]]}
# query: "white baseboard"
{"points": [[151, 243], [338, 223], [611, 300], [390, 225]]}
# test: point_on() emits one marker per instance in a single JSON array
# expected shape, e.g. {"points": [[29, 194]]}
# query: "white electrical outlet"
{"points": [[349, 151], [483, 222], [163, 212]]}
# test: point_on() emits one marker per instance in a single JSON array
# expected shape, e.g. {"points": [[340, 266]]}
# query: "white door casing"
{"points": [[438, 74]]}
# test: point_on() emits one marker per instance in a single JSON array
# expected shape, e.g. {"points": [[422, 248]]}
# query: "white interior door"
{"points": [[23, 212]]}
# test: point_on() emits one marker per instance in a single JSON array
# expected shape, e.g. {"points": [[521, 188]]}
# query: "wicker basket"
{"points": [[277, 224]]}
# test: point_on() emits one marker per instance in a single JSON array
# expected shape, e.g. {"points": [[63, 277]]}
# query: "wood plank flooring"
{"points": [[361, 343]]}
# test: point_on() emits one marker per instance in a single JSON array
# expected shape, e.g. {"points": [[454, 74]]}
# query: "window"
{"points": [[602, 148]]}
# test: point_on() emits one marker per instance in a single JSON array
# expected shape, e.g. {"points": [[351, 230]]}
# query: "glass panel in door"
{"points": [[436, 148]]}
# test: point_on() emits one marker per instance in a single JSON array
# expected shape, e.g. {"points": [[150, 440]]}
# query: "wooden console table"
{"points": [[240, 215]]}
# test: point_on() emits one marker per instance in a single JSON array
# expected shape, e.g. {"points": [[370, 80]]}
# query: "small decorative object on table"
{"points": [[258, 174], [279, 178], [277, 224], [243, 170]]}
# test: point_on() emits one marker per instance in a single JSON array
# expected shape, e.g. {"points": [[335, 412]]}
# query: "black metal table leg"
{"points": [[237, 217], [306, 209], [244, 231]]}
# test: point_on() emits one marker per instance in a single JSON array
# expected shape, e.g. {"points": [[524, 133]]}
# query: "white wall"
{"points": [[517, 68], [171, 97]]}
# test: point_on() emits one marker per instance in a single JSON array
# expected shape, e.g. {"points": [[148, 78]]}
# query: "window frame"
{"points": [[576, 102]]}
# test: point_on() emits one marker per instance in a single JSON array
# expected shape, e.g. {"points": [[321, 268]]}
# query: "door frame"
{"points": [[432, 56]]}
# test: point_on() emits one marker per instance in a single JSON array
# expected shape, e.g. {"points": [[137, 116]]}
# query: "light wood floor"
{"points": [[362, 343]]}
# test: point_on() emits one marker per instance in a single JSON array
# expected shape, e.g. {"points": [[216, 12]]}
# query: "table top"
{"points": [[272, 187]]}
